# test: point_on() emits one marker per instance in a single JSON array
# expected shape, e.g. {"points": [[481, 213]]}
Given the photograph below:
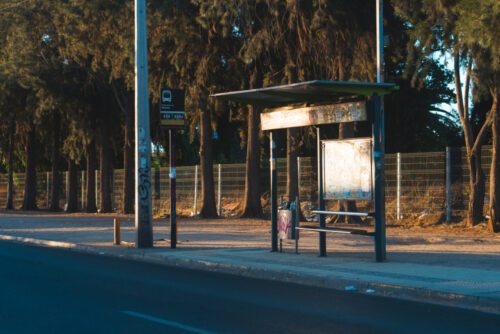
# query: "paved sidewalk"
{"points": [[446, 268]]}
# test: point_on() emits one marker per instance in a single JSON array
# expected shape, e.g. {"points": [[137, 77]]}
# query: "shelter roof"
{"points": [[308, 92]]}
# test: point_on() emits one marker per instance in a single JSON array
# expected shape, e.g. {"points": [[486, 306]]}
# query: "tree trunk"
{"points": [[208, 208], [476, 175], [346, 130], [128, 163], [105, 205], [72, 196], [29, 201], [494, 208], [55, 190], [477, 189], [252, 206], [10, 185], [90, 186]]}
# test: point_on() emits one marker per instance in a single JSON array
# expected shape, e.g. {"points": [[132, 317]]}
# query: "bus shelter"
{"points": [[348, 169]]}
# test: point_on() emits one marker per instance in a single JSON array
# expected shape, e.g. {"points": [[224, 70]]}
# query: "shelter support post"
{"points": [[379, 190], [321, 201], [274, 192]]}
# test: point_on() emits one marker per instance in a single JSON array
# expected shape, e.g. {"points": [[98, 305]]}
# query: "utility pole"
{"points": [[143, 207]]}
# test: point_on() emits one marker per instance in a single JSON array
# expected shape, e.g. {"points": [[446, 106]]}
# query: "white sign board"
{"points": [[347, 169]]}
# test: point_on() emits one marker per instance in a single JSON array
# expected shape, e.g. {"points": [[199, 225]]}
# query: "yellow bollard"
{"points": [[117, 239]]}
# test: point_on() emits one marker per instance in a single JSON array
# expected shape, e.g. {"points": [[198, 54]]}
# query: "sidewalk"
{"points": [[447, 267]]}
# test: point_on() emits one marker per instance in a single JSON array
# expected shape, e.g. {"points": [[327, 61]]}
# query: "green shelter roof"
{"points": [[310, 92]]}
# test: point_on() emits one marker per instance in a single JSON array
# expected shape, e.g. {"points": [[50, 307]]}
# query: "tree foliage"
{"points": [[67, 79]]}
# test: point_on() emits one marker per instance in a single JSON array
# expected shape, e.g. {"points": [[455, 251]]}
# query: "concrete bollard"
{"points": [[117, 239]]}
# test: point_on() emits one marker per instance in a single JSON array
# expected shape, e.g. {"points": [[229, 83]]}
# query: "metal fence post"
{"points": [[448, 185], [298, 176], [97, 192], [398, 186], [195, 204], [66, 177], [219, 190], [83, 189], [48, 190], [112, 189]]}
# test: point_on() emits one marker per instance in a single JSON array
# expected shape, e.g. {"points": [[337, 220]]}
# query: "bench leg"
{"points": [[296, 241], [322, 244]]}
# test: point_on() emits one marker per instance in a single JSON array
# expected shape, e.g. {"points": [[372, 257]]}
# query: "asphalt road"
{"points": [[45, 290]]}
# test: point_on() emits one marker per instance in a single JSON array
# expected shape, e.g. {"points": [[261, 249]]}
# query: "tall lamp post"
{"points": [[143, 210]]}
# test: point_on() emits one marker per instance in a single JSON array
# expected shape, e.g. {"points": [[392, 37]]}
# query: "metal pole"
{"points": [[298, 179], [274, 193], [143, 210], [112, 174], [398, 186], [173, 212], [378, 154], [66, 177], [448, 185], [97, 192], [83, 188], [195, 199], [48, 190], [219, 190], [295, 232], [321, 202]]}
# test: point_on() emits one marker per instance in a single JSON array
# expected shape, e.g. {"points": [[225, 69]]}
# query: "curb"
{"points": [[476, 303]]}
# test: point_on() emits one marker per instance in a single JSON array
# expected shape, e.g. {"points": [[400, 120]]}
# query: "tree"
{"points": [[103, 46], [435, 30], [12, 102], [478, 23], [196, 38]]}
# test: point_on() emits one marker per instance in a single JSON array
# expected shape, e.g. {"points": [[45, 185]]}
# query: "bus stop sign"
{"points": [[172, 113]]}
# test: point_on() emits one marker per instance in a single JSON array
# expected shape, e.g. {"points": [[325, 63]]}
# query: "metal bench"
{"points": [[335, 229]]}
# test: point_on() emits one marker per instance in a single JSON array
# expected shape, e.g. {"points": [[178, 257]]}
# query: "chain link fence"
{"points": [[416, 184]]}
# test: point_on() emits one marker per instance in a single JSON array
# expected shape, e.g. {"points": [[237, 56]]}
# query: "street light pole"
{"points": [[143, 210]]}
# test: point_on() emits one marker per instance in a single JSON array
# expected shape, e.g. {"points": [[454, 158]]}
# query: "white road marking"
{"points": [[167, 322]]}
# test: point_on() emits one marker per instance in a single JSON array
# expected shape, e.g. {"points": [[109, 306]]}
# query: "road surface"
{"points": [[44, 290]]}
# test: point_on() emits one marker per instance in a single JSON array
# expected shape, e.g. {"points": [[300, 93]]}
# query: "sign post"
{"points": [[173, 210], [172, 117]]}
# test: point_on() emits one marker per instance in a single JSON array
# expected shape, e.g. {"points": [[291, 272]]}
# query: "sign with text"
{"points": [[314, 115], [172, 113]]}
